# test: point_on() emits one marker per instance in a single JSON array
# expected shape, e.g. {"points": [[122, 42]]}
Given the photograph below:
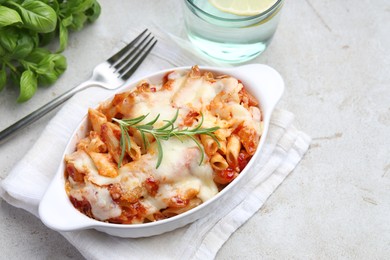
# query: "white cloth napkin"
{"points": [[28, 180]]}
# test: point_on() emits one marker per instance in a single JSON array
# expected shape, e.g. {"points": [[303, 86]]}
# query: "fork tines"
{"points": [[128, 59]]}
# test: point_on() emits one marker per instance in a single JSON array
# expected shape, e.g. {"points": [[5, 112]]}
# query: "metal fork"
{"points": [[110, 74]]}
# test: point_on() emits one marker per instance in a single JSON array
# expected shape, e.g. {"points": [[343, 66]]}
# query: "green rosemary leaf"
{"points": [[170, 122], [151, 123], [164, 132], [131, 121], [160, 153], [214, 138], [145, 140], [200, 148]]}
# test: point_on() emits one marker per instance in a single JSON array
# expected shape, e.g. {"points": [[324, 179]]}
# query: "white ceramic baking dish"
{"points": [[57, 212]]}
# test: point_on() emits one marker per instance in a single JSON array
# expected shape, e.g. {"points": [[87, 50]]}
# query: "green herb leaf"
{"points": [[79, 19], [160, 153], [200, 148], [28, 25], [53, 4], [28, 86], [8, 16], [37, 55], [24, 45], [3, 52], [63, 37], [8, 39], [17, 42], [37, 15], [46, 38], [79, 5], [93, 12], [3, 78], [67, 21], [50, 68], [162, 133]]}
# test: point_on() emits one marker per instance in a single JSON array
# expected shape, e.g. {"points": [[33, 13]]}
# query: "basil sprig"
{"points": [[26, 27]]}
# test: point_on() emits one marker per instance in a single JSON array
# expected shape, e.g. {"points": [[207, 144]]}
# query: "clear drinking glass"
{"points": [[227, 37]]}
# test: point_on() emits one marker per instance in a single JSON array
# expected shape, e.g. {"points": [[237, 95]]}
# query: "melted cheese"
{"points": [[158, 103], [199, 92], [180, 171], [153, 104], [84, 164], [102, 205]]}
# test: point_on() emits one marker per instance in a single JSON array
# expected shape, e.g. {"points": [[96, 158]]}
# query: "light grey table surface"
{"points": [[335, 59]]}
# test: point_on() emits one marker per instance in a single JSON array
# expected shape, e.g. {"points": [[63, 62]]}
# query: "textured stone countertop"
{"points": [[335, 59]]}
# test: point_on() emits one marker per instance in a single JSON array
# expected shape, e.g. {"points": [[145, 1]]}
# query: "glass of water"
{"points": [[228, 37]]}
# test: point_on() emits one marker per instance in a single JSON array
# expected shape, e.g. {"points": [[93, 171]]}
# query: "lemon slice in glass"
{"points": [[243, 7]]}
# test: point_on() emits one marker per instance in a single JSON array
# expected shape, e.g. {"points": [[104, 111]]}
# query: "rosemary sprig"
{"points": [[164, 132]]}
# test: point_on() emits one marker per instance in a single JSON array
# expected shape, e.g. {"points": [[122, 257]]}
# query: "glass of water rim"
{"points": [[228, 37]]}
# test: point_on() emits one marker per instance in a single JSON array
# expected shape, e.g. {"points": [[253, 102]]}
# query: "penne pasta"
{"points": [[222, 147], [92, 143], [223, 133], [249, 138], [140, 142], [209, 144], [110, 133], [97, 119], [104, 164], [218, 162], [233, 148], [134, 151], [96, 144]]}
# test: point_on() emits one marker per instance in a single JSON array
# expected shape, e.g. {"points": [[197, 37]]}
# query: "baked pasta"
{"points": [[119, 175]]}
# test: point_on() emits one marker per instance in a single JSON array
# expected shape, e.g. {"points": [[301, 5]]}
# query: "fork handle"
{"points": [[40, 112]]}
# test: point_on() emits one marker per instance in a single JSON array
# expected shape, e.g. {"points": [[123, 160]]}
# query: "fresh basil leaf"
{"points": [[8, 16], [17, 42], [37, 55], [78, 22], [27, 24], [76, 6], [46, 38], [28, 86], [50, 68], [53, 4], [63, 37], [94, 12], [54, 61], [67, 21], [37, 16], [61, 65], [14, 76], [8, 38], [3, 52], [24, 45], [35, 38], [44, 67], [3, 78], [48, 78]]}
